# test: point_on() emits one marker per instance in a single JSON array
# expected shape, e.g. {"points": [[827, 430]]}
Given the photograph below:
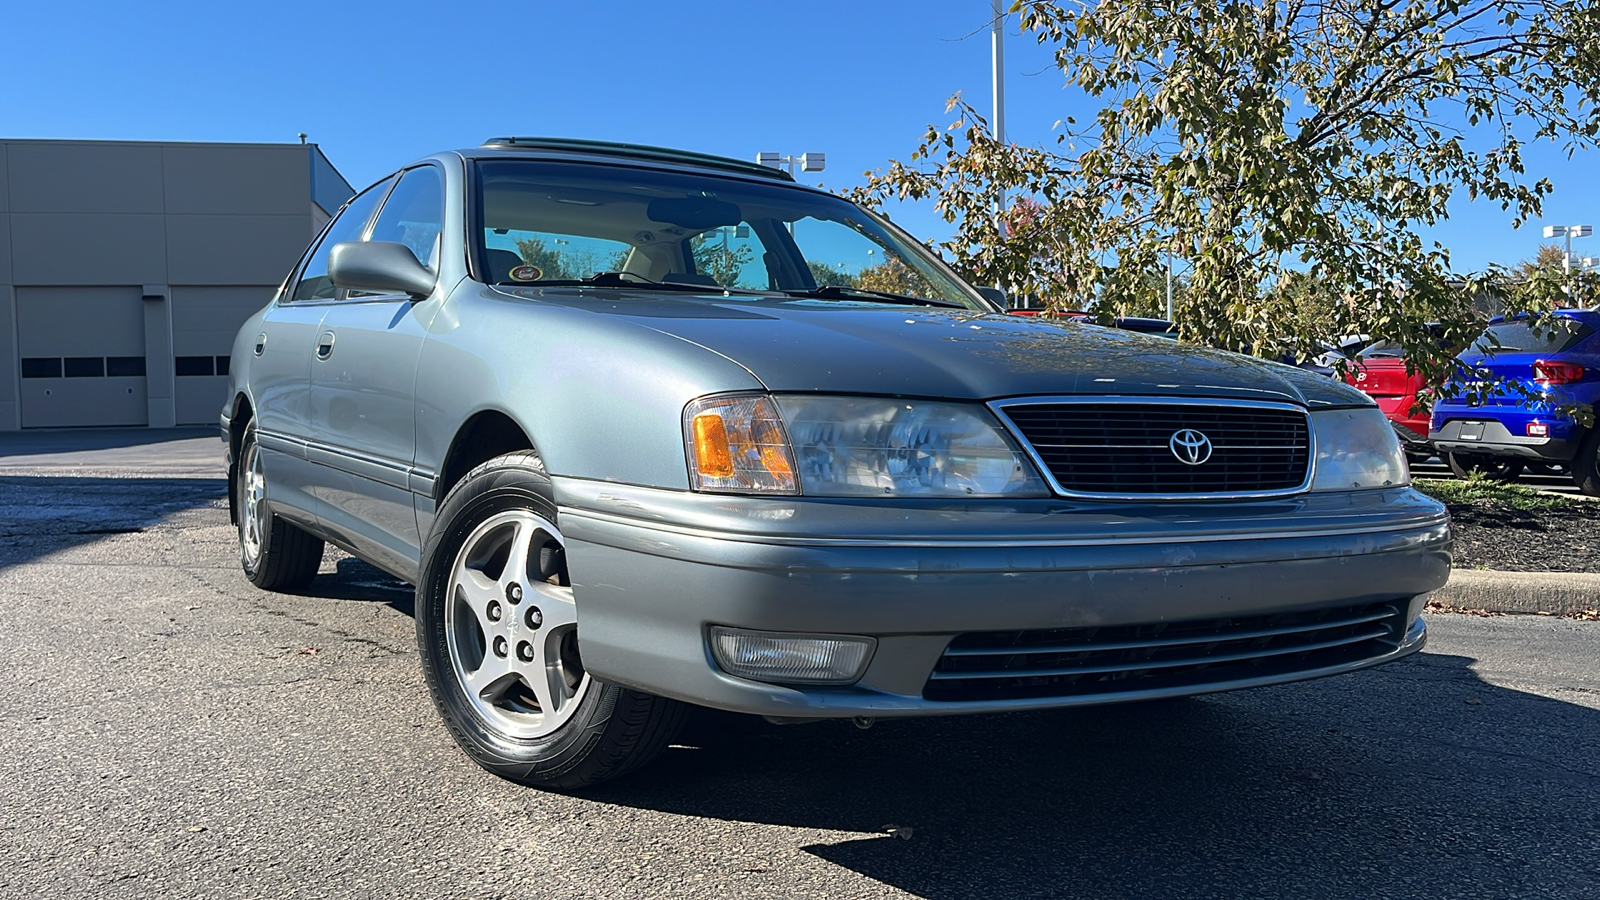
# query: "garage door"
{"points": [[204, 321], [82, 352]]}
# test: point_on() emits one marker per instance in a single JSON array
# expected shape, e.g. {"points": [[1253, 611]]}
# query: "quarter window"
{"points": [[314, 282]]}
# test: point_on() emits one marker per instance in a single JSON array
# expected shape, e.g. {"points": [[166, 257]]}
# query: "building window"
{"points": [[41, 367], [185, 366], [222, 365], [124, 366], [85, 366]]}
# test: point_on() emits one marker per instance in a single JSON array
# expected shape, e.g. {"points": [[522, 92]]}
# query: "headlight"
{"points": [[852, 447], [871, 446], [1357, 449]]}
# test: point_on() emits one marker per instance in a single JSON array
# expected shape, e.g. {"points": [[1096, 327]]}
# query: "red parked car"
{"points": [[1380, 372]]}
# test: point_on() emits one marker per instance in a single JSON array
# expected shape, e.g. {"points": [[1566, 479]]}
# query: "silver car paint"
{"points": [[598, 379]]}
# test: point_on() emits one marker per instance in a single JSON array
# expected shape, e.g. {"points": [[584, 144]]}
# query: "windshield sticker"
{"points": [[527, 273]]}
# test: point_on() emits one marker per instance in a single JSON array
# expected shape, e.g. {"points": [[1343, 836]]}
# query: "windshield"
{"points": [[549, 222], [1553, 335]]}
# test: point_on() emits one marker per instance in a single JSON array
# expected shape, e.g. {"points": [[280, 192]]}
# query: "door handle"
{"points": [[325, 345], [261, 343]]}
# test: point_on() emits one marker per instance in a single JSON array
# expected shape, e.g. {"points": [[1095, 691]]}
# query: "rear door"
{"points": [[280, 373], [363, 387]]}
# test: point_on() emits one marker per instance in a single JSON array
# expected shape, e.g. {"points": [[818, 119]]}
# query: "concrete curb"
{"points": [[1553, 593]]}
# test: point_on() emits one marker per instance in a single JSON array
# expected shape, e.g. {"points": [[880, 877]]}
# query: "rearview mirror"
{"points": [[381, 266], [697, 213]]}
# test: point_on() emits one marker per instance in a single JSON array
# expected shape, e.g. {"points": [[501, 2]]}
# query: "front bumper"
{"points": [[1491, 437], [653, 569]]}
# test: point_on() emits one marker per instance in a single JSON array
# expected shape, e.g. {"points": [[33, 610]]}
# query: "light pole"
{"points": [[1569, 232], [997, 45], [808, 162], [1169, 285]]}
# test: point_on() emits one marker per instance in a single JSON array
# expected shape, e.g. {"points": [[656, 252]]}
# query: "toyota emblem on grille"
{"points": [[1190, 447]]}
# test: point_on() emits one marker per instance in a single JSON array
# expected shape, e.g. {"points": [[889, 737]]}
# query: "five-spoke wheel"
{"points": [[499, 633], [511, 626]]}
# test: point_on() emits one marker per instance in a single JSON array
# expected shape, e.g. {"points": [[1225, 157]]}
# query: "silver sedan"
{"points": [[650, 430]]}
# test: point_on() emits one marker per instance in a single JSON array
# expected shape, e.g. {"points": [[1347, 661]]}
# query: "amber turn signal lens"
{"points": [[712, 457], [736, 444]]}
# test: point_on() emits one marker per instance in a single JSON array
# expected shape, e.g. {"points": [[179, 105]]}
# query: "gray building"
{"points": [[126, 268]]}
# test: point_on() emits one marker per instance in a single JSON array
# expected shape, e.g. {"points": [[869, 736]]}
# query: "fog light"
{"points": [[799, 658], [1538, 429]]}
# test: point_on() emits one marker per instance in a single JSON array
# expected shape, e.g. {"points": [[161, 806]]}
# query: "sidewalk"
{"points": [[1552, 593], [114, 453]]}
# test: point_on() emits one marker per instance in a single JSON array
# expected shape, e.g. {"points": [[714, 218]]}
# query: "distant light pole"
{"points": [[1569, 232], [1169, 284], [997, 58], [808, 162]]}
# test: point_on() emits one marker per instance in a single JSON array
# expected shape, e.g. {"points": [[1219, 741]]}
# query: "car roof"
{"points": [[1588, 316], [534, 147]]}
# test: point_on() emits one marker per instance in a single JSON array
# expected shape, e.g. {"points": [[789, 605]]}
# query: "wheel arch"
{"points": [[485, 435], [240, 414]]}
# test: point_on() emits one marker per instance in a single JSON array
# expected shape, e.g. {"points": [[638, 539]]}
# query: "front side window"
{"points": [[553, 222], [314, 283], [414, 215]]}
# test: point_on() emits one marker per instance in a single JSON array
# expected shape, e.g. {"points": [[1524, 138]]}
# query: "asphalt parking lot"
{"points": [[167, 730]]}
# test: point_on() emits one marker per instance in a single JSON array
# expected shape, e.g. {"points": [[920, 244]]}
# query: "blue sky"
{"points": [[377, 84]]}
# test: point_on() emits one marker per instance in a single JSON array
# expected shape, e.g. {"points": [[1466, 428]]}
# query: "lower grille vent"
{"points": [[1067, 662]]}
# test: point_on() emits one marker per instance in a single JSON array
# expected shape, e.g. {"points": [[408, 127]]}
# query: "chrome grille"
{"points": [[1068, 662], [1122, 449]]}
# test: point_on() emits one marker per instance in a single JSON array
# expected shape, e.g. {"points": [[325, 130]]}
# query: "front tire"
{"points": [[497, 633], [275, 555], [1495, 468]]}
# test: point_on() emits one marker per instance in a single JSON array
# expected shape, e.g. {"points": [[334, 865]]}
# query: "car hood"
{"points": [[836, 347]]}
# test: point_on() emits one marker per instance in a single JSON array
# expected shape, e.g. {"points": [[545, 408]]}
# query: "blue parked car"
{"points": [[1545, 366]]}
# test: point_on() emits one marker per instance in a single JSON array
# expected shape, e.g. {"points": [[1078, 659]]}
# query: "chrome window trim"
{"points": [[998, 407]]}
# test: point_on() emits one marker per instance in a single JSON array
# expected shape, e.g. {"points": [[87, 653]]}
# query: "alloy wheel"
{"points": [[511, 626]]}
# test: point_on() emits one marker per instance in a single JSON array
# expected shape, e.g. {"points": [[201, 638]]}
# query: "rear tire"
{"points": [[1495, 468], [1586, 465], [275, 555], [497, 633]]}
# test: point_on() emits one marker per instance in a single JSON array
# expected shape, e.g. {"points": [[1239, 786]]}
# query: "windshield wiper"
{"points": [[628, 280], [835, 292]]}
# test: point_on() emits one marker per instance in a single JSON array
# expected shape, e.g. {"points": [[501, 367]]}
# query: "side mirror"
{"points": [[994, 295], [381, 266]]}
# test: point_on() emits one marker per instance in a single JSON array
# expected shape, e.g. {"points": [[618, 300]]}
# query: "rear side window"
{"points": [[414, 215], [314, 283], [1551, 336]]}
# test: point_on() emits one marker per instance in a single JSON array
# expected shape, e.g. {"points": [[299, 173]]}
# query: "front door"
{"points": [[280, 372], [363, 389]]}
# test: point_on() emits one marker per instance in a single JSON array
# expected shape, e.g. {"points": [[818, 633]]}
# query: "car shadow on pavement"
{"points": [[1415, 779], [356, 580], [40, 515]]}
